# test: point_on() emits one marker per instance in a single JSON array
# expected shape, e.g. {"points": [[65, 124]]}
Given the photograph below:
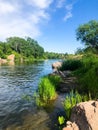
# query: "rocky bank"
{"points": [[84, 117]]}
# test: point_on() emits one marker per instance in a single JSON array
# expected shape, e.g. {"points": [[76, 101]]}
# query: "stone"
{"points": [[67, 128], [84, 116], [11, 57], [56, 65]]}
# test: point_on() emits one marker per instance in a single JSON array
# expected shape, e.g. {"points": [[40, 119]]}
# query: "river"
{"points": [[16, 113]]}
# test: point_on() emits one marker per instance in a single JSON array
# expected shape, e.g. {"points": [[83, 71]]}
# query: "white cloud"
{"points": [[67, 16], [60, 3], [42, 4], [6, 7], [25, 17], [66, 5], [22, 18], [69, 7], [68, 12]]}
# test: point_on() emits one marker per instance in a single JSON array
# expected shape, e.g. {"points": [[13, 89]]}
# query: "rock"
{"points": [[56, 65], [9, 60], [67, 84], [3, 61], [67, 128], [11, 57], [84, 116]]}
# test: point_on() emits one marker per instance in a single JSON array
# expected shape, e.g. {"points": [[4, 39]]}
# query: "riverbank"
{"points": [[12, 60], [80, 107]]}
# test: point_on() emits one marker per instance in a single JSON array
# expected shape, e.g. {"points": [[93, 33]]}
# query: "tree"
{"points": [[88, 34], [16, 43]]}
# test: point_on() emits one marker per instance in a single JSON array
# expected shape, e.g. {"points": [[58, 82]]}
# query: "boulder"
{"points": [[3, 61], [56, 65], [84, 116], [9, 60], [11, 57]]}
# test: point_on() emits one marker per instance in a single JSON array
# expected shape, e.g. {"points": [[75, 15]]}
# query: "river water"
{"points": [[15, 112]]}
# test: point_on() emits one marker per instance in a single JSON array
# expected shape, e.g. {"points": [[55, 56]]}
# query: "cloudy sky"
{"points": [[51, 22]]}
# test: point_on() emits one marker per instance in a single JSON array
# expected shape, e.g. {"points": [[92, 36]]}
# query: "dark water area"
{"points": [[15, 112]]}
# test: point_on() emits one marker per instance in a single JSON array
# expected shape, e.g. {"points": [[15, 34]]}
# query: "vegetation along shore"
{"points": [[76, 76]]}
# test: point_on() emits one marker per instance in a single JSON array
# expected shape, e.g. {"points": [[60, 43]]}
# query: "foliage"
{"points": [[55, 80], [88, 75], [53, 55], [26, 49], [71, 64], [46, 90], [22, 48], [79, 51], [61, 120], [88, 34], [71, 100]]}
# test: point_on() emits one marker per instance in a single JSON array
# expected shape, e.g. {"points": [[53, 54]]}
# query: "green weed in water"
{"points": [[46, 89]]}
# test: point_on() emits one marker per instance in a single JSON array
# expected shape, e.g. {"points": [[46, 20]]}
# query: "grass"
{"points": [[71, 64], [55, 80], [47, 90], [71, 100], [86, 71], [88, 76]]}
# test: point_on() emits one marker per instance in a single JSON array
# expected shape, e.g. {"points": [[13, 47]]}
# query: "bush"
{"points": [[71, 65], [88, 76], [89, 81]]}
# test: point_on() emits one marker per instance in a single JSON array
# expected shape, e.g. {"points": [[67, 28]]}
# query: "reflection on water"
{"points": [[15, 82]]}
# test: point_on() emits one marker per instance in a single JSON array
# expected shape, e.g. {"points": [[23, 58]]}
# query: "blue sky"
{"points": [[52, 23]]}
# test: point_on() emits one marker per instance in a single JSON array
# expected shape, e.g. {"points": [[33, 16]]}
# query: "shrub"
{"points": [[88, 76], [71, 65]]}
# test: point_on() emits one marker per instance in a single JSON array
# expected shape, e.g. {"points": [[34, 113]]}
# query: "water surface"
{"points": [[16, 82]]}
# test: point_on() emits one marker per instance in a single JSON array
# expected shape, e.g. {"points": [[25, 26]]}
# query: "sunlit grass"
{"points": [[47, 90], [71, 100]]}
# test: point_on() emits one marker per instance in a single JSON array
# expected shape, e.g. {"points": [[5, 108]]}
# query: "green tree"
{"points": [[88, 34], [16, 43], [37, 50]]}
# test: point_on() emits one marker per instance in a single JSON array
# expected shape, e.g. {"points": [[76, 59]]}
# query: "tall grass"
{"points": [[55, 80], [47, 89], [88, 76], [71, 64], [71, 100]]}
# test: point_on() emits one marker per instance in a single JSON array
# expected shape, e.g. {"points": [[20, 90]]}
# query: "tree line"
{"points": [[26, 48]]}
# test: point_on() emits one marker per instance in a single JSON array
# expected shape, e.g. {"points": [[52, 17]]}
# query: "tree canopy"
{"points": [[88, 34], [25, 47]]}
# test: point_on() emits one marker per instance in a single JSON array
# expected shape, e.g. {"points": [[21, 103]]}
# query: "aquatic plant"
{"points": [[71, 100], [61, 120], [46, 90], [55, 80]]}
